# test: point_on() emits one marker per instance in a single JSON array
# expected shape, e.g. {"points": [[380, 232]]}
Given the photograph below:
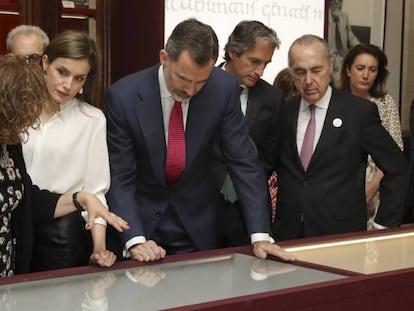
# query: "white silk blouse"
{"points": [[69, 152]]}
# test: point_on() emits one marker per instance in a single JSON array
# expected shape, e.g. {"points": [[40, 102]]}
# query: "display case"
{"points": [[331, 273]]}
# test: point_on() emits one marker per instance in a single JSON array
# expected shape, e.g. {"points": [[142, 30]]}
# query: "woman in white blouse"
{"points": [[67, 152]]}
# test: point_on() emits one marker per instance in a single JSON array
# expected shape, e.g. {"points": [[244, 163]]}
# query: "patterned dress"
{"points": [[390, 120], [11, 194]]}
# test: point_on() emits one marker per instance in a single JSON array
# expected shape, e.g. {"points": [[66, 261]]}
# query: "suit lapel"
{"points": [[329, 131], [253, 107], [197, 123], [150, 119], [294, 106]]}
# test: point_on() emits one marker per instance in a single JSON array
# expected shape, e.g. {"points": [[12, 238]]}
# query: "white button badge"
{"points": [[337, 122]]}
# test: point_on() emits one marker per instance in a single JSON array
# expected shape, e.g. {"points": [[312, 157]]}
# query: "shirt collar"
{"points": [[322, 103], [164, 92]]}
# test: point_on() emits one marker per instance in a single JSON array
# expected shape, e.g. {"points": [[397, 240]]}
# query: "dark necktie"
{"points": [[338, 39], [308, 139], [175, 160]]}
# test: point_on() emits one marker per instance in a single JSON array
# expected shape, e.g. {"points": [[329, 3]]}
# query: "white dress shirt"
{"points": [[167, 103], [244, 96], [68, 152], [321, 108]]}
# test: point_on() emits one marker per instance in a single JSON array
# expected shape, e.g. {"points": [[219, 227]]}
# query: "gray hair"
{"points": [[306, 40], [26, 29], [246, 34]]}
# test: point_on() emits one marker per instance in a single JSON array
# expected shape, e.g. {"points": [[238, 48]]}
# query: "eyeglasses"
{"points": [[33, 59]]}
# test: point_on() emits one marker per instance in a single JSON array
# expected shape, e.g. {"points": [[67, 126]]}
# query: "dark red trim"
{"points": [[9, 6]]}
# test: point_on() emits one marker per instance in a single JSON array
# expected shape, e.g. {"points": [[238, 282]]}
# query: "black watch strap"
{"points": [[75, 201]]}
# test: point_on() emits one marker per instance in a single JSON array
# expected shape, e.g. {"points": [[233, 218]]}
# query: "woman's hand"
{"points": [[95, 209], [103, 258]]}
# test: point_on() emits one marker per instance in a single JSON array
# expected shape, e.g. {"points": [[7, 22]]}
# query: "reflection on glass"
{"points": [[162, 285], [86, 293], [95, 295], [262, 269], [363, 255]]}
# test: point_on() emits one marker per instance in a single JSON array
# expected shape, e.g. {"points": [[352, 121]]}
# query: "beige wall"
{"points": [[393, 48]]}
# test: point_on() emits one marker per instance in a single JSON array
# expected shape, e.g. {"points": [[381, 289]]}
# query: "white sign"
{"points": [[289, 18]]}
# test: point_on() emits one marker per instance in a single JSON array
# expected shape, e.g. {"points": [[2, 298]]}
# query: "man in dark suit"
{"points": [[328, 196], [248, 50], [162, 184]]}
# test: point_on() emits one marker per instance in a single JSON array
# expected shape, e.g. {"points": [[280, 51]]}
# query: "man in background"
{"points": [[248, 50], [27, 41], [327, 137]]}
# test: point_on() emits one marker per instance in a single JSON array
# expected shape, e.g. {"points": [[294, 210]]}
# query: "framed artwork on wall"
{"points": [[350, 22]]}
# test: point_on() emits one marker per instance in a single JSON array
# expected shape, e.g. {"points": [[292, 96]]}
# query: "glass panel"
{"points": [[159, 286], [363, 255]]}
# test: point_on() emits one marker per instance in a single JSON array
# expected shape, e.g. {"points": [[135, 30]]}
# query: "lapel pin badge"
{"points": [[337, 122]]}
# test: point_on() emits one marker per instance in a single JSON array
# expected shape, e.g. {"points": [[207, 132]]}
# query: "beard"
{"points": [[180, 95]]}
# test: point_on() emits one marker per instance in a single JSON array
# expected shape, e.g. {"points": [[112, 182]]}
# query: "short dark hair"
{"points": [[246, 34], [378, 89], [197, 38]]}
